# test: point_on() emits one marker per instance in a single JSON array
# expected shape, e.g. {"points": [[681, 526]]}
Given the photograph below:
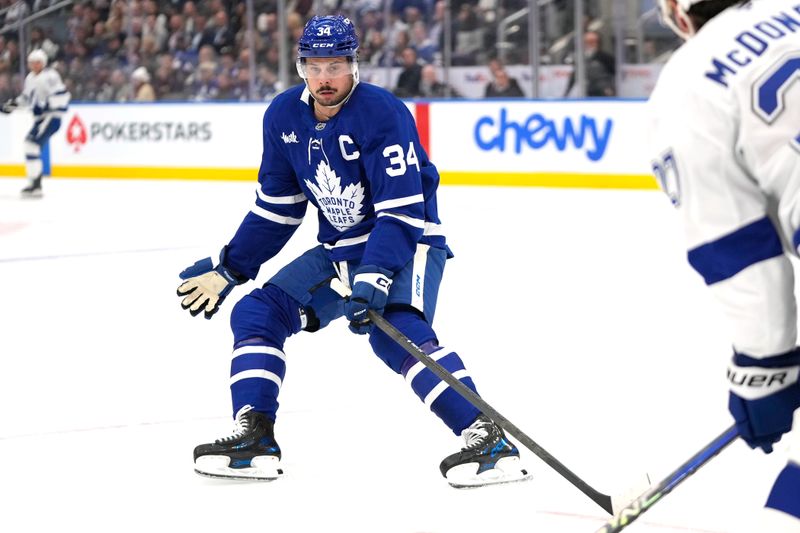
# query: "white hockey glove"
{"points": [[206, 287], [9, 106]]}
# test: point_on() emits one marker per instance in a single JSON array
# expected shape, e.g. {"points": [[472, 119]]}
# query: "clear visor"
{"points": [[315, 68]]}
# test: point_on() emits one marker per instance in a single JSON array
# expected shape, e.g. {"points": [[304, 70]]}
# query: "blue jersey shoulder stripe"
{"points": [[727, 256]]}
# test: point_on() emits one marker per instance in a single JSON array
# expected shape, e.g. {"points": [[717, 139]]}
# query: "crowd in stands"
{"points": [[198, 50]]}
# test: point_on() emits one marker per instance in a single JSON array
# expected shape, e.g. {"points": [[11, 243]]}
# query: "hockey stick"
{"points": [[603, 500], [641, 504]]}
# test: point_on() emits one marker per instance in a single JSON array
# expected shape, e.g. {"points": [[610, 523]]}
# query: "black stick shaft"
{"points": [[599, 498], [640, 505]]}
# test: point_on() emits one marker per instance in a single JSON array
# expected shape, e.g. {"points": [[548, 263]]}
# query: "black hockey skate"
{"points": [[250, 453], [33, 189], [489, 458]]}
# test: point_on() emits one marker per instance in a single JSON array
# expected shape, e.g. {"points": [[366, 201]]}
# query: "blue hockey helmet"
{"points": [[328, 36]]}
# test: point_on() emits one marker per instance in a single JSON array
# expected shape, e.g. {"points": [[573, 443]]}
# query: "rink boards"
{"points": [[556, 143]]}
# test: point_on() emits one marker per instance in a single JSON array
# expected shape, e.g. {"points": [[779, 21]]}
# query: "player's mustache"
{"points": [[326, 88]]}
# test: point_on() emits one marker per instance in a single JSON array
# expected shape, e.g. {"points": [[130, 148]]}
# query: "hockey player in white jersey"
{"points": [[726, 150], [353, 151], [45, 94]]}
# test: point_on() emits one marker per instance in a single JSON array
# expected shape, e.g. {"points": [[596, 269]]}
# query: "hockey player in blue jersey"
{"points": [[726, 149], [353, 151]]}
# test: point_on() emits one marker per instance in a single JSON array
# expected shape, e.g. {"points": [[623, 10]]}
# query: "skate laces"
{"points": [[241, 424], [477, 433]]}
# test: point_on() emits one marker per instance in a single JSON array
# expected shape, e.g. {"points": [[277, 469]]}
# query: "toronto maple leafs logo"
{"points": [[342, 208]]}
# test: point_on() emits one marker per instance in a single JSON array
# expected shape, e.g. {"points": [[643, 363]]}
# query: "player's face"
{"points": [[35, 66], [329, 79]]}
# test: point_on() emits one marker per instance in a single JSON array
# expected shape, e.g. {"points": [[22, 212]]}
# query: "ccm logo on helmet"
{"points": [[322, 45]]}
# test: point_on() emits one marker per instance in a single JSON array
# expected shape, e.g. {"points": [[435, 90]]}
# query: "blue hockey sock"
{"points": [[261, 323], [445, 402]]}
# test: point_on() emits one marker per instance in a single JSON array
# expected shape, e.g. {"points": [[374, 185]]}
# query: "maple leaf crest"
{"points": [[342, 208]]}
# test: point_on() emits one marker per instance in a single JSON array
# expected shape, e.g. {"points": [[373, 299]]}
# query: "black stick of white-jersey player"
{"points": [[603, 500]]}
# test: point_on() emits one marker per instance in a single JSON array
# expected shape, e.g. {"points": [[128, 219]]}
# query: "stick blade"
{"points": [[639, 486]]}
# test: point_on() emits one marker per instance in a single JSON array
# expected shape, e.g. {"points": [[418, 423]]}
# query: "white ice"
{"points": [[574, 310]]}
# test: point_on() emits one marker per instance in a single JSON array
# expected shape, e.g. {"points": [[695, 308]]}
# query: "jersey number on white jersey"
{"points": [[769, 90]]}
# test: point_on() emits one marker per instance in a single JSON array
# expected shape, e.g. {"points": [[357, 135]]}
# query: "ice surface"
{"points": [[574, 310]]}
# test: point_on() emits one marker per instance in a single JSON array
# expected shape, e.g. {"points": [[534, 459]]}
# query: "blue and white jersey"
{"points": [[726, 149], [45, 94], [365, 171]]}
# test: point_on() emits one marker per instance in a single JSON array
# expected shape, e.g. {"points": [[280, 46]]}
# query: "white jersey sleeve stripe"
{"points": [[433, 229], [269, 215], [281, 200], [399, 202], [348, 242], [416, 222]]}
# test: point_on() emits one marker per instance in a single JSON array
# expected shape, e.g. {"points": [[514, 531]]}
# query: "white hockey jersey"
{"points": [[45, 94], [726, 149]]}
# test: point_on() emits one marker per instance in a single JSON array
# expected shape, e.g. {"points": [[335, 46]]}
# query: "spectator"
{"points": [[117, 89], [223, 37], [142, 90], [601, 68], [41, 41], [425, 46], [6, 91], [204, 85], [226, 87], [410, 76], [468, 33], [431, 87], [502, 85], [9, 59], [168, 82]]}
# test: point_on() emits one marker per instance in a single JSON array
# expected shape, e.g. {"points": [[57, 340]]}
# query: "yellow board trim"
{"points": [[182, 173], [490, 179], [550, 179]]}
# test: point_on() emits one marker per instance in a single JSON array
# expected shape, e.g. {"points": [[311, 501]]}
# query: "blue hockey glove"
{"points": [[206, 287], [370, 291], [764, 393]]}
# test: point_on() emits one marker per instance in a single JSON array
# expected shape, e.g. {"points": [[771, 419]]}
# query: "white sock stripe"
{"points": [[441, 387], [419, 367], [258, 349], [256, 373]]}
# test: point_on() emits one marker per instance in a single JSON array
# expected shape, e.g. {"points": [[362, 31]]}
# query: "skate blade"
{"points": [[507, 470], [216, 466], [32, 195]]}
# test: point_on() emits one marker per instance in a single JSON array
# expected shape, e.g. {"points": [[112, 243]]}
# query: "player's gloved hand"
{"points": [[370, 291], [764, 394], [9, 106], [206, 287]]}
